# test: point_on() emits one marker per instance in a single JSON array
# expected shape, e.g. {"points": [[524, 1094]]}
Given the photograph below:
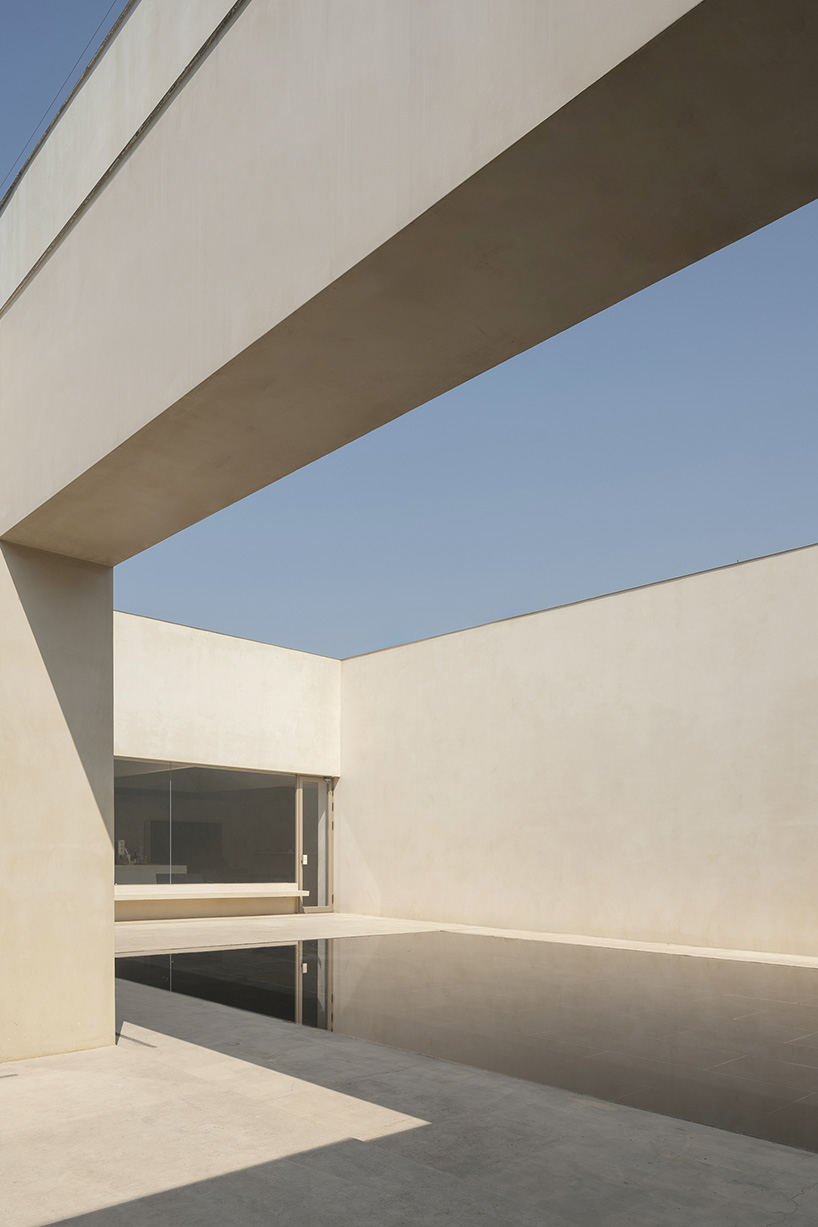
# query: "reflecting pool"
{"points": [[717, 1042]]}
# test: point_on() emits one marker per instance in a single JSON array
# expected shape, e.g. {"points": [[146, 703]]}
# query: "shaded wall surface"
{"points": [[56, 805], [639, 766]]}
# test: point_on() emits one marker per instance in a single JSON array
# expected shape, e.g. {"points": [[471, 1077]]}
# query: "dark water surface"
{"points": [[717, 1042]]}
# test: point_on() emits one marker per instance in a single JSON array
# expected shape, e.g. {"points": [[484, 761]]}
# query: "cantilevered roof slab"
{"points": [[348, 207]]}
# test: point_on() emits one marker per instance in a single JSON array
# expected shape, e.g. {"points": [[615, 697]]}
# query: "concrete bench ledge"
{"points": [[209, 890], [177, 902]]}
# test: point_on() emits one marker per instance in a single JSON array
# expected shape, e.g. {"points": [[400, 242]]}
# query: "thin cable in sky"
{"points": [[45, 113]]}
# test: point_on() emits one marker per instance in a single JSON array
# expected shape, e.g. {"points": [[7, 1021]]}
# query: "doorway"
{"points": [[316, 823]]}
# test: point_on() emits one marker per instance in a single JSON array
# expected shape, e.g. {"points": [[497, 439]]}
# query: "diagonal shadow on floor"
{"points": [[495, 1148]]}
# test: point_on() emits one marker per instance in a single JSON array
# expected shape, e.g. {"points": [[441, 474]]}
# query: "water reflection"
{"points": [[734, 1045], [287, 982]]}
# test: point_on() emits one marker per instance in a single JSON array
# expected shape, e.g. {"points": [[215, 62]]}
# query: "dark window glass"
{"points": [[202, 824], [141, 822], [232, 826]]}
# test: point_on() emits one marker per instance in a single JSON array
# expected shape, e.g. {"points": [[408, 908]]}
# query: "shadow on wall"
{"points": [[68, 606]]}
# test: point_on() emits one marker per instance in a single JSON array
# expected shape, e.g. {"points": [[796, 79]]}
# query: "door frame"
{"points": [[300, 967], [299, 839]]}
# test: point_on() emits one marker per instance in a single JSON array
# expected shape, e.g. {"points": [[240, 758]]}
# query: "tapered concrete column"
{"points": [[56, 804]]}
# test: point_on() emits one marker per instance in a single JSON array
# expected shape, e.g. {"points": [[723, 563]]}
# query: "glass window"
{"points": [[202, 824], [141, 822], [232, 826]]}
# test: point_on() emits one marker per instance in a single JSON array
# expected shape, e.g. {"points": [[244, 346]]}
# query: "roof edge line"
{"points": [[586, 600]]}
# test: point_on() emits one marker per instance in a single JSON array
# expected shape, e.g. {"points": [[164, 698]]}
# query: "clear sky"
{"points": [[673, 432]]}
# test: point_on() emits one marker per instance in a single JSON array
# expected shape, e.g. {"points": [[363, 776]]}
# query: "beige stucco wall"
{"points": [[56, 805], [192, 696], [639, 766], [192, 909], [135, 70]]}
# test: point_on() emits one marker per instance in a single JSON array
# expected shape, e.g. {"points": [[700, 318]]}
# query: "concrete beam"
{"points": [[136, 67], [351, 208]]}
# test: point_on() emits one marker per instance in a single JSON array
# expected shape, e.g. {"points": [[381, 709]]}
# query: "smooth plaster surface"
{"points": [[135, 70], [56, 805], [190, 696], [455, 180], [220, 933], [204, 1115], [151, 903], [641, 766], [153, 911]]}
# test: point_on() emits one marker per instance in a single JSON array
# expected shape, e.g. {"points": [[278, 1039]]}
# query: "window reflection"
{"points": [[291, 982], [141, 822], [232, 826], [203, 824]]}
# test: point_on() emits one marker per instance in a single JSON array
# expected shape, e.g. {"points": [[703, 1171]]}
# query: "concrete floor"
{"points": [[221, 933], [218, 933], [204, 1116]]}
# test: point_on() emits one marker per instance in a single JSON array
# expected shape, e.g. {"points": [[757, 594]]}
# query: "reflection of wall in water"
{"points": [[516, 1005], [683, 1036]]}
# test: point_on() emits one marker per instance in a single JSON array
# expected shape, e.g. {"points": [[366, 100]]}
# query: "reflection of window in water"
{"points": [[291, 983]]}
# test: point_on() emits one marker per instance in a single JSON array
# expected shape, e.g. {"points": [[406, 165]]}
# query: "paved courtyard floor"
{"points": [[221, 933], [218, 933], [206, 1116]]}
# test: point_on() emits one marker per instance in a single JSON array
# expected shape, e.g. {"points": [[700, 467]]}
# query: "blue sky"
{"points": [[673, 432]]}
